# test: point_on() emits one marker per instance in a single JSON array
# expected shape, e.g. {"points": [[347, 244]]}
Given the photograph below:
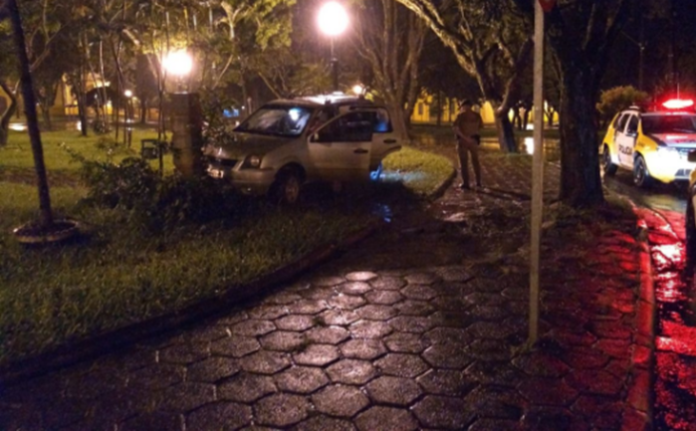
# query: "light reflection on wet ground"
{"points": [[675, 343]]}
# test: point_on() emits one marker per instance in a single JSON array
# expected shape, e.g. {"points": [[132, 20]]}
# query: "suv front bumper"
{"points": [[247, 181]]}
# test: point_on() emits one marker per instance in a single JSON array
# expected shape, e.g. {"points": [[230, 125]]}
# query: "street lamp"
{"points": [[178, 63], [332, 21]]}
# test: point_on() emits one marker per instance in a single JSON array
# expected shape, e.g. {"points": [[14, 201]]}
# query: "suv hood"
{"points": [[238, 145]]}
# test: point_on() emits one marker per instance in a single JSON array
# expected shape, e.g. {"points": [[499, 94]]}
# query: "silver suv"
{"points": [[286, 143]]}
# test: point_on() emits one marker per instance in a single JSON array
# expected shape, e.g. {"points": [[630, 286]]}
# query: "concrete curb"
{"points": [[93, 347], [440, 190], [638, 414]]}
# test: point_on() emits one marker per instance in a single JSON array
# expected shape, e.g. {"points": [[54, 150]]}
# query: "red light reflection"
{"points": [[668, 255], [669, 288]]}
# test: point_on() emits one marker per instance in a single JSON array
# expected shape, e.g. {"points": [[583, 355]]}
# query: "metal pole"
{"points": [[334, 66], [641, 45], [537, 173]]}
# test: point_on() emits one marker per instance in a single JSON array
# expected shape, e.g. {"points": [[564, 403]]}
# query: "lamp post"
{"points": [[128, 135], [186, 117], [332, 21], [178, 64]]}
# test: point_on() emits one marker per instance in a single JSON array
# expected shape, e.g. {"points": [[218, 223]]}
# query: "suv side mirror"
{"points": [[691, 156]]}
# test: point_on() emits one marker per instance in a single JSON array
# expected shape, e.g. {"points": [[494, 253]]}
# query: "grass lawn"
{"points": [[118, 276]]}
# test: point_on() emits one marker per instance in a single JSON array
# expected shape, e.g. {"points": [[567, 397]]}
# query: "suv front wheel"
{"points": [[287, 186], [607, 164]]}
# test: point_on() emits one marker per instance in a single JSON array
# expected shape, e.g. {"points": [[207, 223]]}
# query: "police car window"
{"points": [[672, 123], [621, 125], [352, 127], [632, 124]]}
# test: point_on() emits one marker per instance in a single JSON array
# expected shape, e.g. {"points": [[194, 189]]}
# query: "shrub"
{"points": [[148, 200], [617, 99]]}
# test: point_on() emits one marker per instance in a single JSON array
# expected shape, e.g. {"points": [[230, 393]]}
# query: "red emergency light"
{"points": [[678, 103]]}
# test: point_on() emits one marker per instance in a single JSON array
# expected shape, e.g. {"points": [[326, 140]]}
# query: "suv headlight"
{"points": [[252, 161]]}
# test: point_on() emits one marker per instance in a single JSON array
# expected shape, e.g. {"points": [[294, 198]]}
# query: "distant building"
{"points": [[426, 111]]}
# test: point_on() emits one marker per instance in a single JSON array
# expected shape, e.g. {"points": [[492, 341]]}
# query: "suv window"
{"points": [[352, 127], [382, 122], [277, 120]]}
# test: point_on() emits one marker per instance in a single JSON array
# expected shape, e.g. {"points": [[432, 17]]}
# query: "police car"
{"points": [[653, 145]]}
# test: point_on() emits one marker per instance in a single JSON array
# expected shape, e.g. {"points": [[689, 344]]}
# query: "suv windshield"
{"points": [[278, 120], [672, 123]]}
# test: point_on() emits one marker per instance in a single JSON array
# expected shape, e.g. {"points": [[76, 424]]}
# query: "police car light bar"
{"points": [[678, 103]]}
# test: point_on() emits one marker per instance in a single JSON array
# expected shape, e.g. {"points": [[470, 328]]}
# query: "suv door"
{"points": [[340, 150], [625, 139], [384, 138]]}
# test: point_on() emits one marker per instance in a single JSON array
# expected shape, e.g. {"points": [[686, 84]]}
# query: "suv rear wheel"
{"points": [[608, 166], [287, 186], [641, 176]]}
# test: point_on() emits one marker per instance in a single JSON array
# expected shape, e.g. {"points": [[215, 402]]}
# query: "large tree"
{"points": [[390, 40], [45, 212], [581, 33], [491, 42]]}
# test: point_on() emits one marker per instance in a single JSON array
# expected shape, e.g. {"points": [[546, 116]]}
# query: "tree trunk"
{"points": [[46, 215], [398, 117], [46, 114], [143, 111], [581, 184], [7, 116], [506, 133]]}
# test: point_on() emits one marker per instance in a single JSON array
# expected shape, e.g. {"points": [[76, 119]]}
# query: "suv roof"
{"points": [[333, 99]]}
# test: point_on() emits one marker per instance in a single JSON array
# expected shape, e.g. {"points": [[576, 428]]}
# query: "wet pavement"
{"points": [[675, 342], [422, 326], [674, 387]]}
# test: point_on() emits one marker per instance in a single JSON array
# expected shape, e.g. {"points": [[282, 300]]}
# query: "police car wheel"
{"points": [[287, 187], [690, 234], [641, 177], [609, 167]]}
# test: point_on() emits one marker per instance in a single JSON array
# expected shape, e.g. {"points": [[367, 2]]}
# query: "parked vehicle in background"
{"points": [[289, 142], [653, 145]]}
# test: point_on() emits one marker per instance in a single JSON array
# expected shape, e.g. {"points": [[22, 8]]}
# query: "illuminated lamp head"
{"points": [[678, 104]]}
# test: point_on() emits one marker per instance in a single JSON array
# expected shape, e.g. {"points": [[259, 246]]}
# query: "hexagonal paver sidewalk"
{"points": [[415, 328]]}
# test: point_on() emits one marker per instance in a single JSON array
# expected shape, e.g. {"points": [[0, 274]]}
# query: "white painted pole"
{"points": [[537, 173]]}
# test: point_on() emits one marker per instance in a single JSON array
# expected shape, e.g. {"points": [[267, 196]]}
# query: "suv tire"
{"points": [[641, 176], [287, 187], [608, 166]]}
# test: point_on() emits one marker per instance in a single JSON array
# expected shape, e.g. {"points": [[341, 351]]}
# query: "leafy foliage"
{"points": [[149, 201], [619, 98]]}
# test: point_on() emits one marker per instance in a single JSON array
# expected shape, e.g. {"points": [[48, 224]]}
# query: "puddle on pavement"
{"points": [[383, 211]]}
